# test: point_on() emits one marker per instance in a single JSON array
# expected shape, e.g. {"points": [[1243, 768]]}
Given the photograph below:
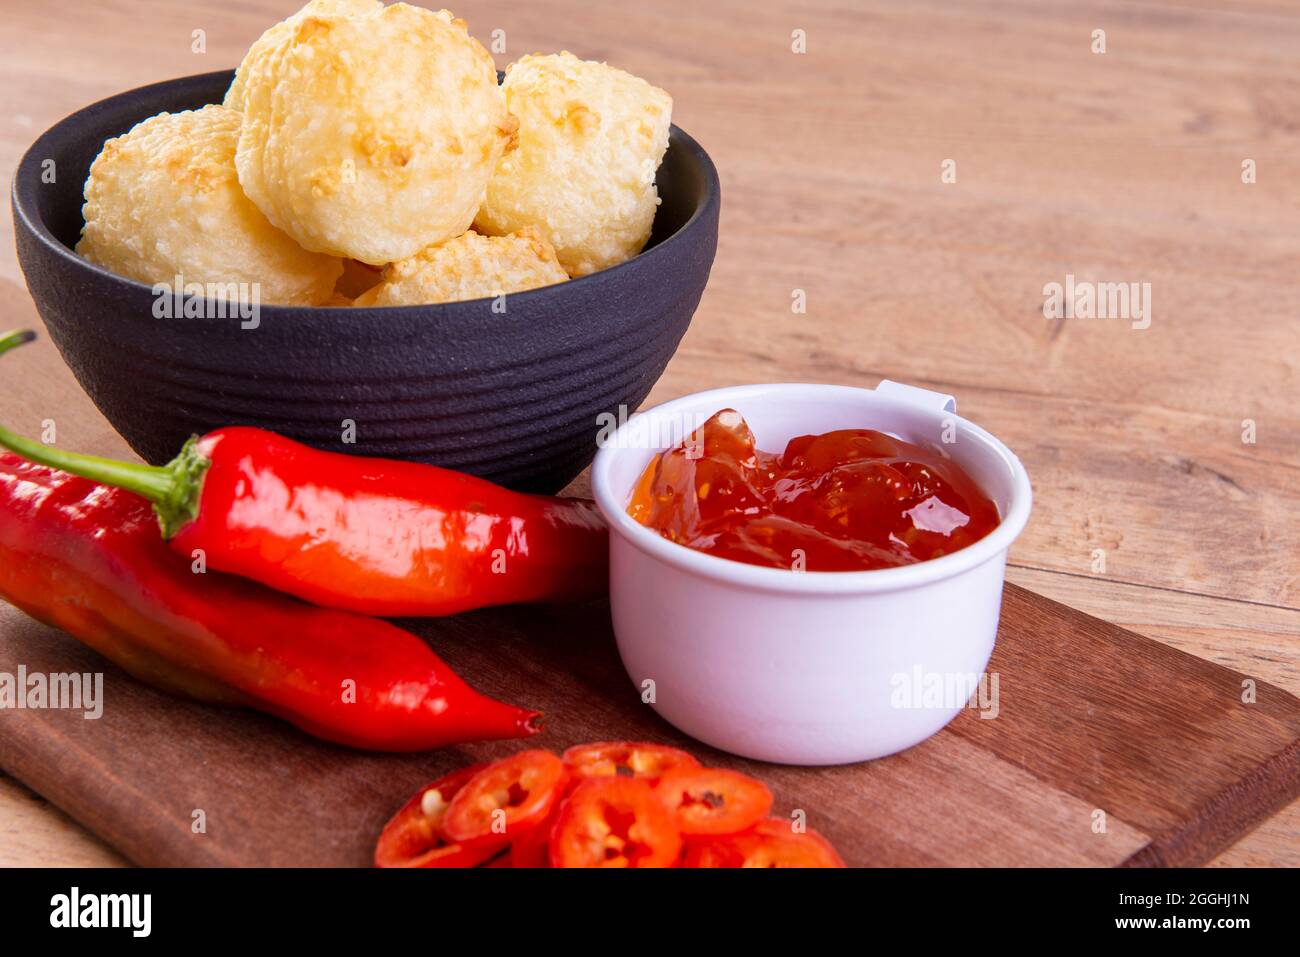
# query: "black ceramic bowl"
{"points": [[514, 396]]}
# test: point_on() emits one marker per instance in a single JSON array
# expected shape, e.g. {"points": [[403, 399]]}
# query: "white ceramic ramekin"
{"points": [[806, 667]]}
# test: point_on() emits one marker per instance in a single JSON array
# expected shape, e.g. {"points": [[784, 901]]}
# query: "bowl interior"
{"points": [[779, 412]]}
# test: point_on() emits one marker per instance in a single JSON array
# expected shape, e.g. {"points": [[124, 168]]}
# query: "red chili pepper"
{"points": [[87, 559], [371, 535]]}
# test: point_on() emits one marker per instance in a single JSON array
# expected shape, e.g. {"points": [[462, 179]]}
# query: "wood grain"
{"points": [[33, 831], [1123, 166], [1089, 719]]}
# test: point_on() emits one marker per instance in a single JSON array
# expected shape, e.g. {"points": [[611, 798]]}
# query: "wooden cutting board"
{"points": [[1095, 724]]}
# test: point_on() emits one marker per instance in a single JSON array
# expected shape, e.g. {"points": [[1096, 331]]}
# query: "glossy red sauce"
{"points": [[848, 500]]}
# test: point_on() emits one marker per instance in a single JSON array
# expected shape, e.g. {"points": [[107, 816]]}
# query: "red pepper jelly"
{"points": [[848, 500]]}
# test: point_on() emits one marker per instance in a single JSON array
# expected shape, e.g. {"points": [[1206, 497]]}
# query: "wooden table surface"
{"points": [[1122, 166]]}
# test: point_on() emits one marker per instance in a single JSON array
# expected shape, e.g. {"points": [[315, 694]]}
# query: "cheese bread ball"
{"points": [[590, 140], [468, 267], [372, 137], [281, 31], [163, 200]]}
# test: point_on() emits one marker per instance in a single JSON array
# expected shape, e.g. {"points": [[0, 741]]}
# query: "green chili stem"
{"points": [[172, 488]]}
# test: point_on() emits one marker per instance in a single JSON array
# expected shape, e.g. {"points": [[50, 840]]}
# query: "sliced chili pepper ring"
{"points": [[614, 822], [769, 843], [632, 759], [713, 800], [411, 839], [533, 848], [506, 799]]}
